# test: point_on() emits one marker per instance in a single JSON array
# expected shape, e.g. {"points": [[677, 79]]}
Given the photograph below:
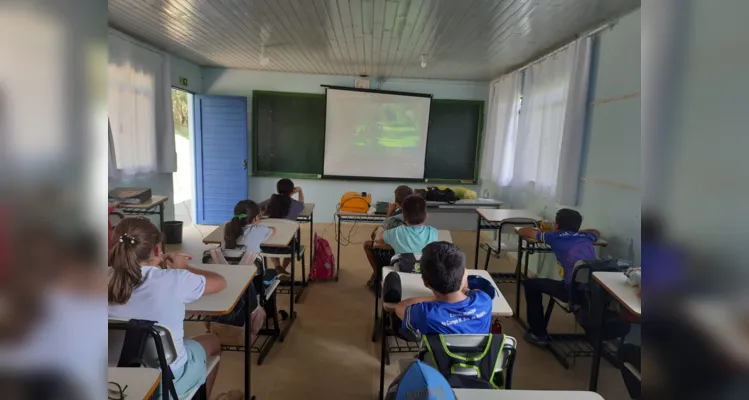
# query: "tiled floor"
{"points": [[329, 354]]}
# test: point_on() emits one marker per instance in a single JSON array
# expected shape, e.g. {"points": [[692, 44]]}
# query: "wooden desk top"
{"points": [[285, 232], [499, 215], [616, 284], [600, 241], [153, 202], [140, 382], [308, 209], [479, 394], [238, 277], [443, 235], [413, 286]]}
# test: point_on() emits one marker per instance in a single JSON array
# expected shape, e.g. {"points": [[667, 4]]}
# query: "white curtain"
{"points": [[501, 132], [552, 118], [140, 108]]}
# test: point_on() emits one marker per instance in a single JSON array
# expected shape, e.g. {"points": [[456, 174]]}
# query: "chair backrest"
{"points": [[220, 256], [117, 333], [394, 259], [472, 346]]}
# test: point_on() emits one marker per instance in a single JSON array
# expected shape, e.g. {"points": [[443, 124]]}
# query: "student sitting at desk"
{"points": [[570, 245], [140, 287], [282, 205], [453, 309], [408, 238], [244, 230], [394, 220]]}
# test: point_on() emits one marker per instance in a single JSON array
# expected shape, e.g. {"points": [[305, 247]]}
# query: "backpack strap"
{"points": [[435, 348], [218, 256], [494, 359], [485, 364]]}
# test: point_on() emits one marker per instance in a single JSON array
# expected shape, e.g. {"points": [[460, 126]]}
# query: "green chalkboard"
{"points": [[453, 139], [288, 133]]}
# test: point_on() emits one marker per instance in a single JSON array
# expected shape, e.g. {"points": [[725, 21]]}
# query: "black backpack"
{"points": [[433, 193], [483, 359]]}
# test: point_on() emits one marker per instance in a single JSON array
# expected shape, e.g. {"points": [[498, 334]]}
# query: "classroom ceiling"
{"points": [[459, 39]]}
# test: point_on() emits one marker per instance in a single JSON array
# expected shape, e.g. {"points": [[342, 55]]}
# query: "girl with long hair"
{"points": [[145, 283], [244, 230], [282, 205]]}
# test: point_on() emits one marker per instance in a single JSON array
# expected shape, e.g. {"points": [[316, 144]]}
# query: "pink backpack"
{"points": [[323, 266]]}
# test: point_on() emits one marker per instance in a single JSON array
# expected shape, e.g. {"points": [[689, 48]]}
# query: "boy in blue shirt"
{"points": [[453, 309], [570, 245]]}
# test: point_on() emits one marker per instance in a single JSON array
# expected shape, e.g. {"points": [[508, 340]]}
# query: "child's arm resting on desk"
{"points": [[400, 308], [213, 282], [530, 233], [593, 231]]}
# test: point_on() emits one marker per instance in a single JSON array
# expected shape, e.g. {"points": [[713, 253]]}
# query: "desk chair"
{"points": [[139, 343], [494, 248], [266, 300], [467, 346], [570, 346]]}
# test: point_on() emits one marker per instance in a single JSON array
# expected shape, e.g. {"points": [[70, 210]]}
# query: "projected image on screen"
{"points": [[375, 135]]}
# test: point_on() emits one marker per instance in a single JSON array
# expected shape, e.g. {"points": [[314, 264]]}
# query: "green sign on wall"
{"points": [[183, 81]]}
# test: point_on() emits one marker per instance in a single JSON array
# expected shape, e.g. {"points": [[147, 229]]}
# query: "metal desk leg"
{"points": [[292, 313], [378, 292], [382, 356], [599, 309], [518, 273], [478, 238], [247, 349], [161, 225], [311, 249], [338, 255]]}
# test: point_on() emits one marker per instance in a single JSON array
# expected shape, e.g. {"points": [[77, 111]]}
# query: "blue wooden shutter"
{"points": [[220, 157]]}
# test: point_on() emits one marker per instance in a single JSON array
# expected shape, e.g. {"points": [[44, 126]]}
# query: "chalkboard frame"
{"points": [[300, 175], [479, 136], [255, 135]]}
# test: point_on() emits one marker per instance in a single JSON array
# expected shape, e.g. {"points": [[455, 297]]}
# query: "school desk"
{"points": [[483, 394], [217, 236], [563, 345], [458, 216], [615, 284], [347, 216], [154, 206], [238, 279], [413, 286], [137, 383], [442, 235], [497, 219]]}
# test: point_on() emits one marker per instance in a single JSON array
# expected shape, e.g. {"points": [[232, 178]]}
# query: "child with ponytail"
{"points": [[244, 230], [145, 283]]}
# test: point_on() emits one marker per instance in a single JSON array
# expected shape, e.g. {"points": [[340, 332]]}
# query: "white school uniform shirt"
{"points": [[252, 237], [161, 297]]}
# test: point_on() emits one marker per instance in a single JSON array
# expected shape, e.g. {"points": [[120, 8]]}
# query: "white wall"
{"points": [[161, 183], [326, 193]]}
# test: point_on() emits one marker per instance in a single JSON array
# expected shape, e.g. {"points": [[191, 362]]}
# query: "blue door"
{"points": [[220, 157]]}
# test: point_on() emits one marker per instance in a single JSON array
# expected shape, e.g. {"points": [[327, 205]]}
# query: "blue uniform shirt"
{"points": [[470, 316], [569, 247]]}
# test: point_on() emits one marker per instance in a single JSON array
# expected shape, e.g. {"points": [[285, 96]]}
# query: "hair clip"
{"points": [[240, 216], [126, 237]]}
